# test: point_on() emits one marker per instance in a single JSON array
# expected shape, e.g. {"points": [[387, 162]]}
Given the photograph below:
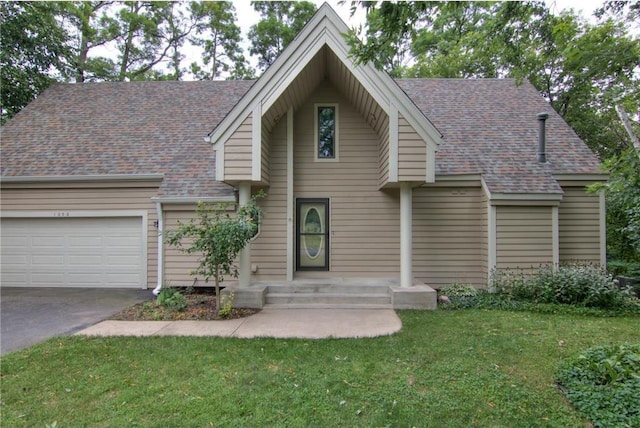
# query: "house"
{"points": [[413, 183]]}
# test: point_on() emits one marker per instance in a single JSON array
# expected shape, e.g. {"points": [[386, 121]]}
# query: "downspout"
{"points": [[160, 275]]}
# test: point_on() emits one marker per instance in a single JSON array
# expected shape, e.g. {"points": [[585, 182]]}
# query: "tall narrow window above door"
{"points": [[326, 132]]}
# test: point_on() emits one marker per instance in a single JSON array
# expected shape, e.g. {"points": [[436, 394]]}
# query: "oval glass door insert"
{"points": [[312, 224]]}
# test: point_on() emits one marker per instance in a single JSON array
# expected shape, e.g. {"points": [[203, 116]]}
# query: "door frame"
{"points": [[299, 202]]}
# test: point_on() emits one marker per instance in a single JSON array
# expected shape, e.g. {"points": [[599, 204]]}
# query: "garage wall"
{"points": [[177, 264], [60, 198]]}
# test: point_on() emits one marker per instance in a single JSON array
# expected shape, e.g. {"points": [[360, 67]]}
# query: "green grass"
{"points": [[445, 368]]}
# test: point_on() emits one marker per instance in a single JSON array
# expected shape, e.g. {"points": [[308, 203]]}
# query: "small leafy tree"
{"points": [[217, 237]]}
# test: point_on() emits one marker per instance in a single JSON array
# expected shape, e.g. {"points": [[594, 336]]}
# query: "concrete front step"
{"points": [[327, 298], [327, 306], [308, 288], [329, 295], [333, 295]]}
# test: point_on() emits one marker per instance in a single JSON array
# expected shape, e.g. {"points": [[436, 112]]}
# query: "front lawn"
{"points": [[445, 368]]}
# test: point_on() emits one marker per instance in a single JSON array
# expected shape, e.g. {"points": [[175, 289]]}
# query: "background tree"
{"points": [[143, 37], [33, 47], [88, 24], [217, 238], [281, 21], [180, 25], [580, 68], [583, 69], [217, 33]]}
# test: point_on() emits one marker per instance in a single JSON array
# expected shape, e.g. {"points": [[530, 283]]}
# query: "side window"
{"points": [[326, 132]]}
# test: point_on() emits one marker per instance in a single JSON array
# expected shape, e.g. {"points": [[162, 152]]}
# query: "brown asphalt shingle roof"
{"points": [[124, 128], [489, 127]]}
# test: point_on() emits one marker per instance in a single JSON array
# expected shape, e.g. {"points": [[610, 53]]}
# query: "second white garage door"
{"points": [[72, 252]]}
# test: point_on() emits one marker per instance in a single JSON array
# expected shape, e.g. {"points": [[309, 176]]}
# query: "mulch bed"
{"points": [[201, 305]]}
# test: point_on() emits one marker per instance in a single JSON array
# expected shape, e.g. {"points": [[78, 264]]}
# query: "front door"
{"points": [[312, 234]]}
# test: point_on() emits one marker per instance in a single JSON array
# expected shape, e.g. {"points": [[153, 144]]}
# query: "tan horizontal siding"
{"points": [[269, 249], [449, 238], [177, 264], [579, 223], [412, 153], [238, 152], [364, 222], [523, 237], [69, 197]]}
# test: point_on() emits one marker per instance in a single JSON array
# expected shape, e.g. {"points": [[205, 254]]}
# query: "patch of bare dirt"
{"points": [[201, 305]]}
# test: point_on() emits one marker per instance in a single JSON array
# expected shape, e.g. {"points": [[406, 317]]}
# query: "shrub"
{"points": [[624, 268], [604, 384], [578, 284], [226, 306], [171, 298], [460, 295]]}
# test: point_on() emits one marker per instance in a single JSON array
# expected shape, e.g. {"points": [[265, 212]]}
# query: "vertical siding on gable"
{"points": [[449, 239], [90, 197], [364, 222], [265, 155], [238, 152], [269, 249], [412, 153], [579, 222], [383, 153], [523, 237]]}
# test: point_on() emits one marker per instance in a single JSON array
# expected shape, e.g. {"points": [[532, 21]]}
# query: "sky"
{"points": [[247, 16]]}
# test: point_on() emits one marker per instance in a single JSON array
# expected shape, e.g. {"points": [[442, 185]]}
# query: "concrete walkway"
{"points": [[270, 322]]}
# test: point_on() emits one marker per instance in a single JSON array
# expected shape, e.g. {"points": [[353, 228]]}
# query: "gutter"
{"points": [[75, 178], [192, 200]]}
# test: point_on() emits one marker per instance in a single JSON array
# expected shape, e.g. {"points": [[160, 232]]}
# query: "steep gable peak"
{"points": [[320, 52]]}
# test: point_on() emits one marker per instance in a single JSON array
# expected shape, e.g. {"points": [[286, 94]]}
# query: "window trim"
{"points": [[316, 142]]}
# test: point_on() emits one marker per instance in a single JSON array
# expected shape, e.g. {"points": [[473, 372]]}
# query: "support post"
{"points": [[290, 201], [244, 279], [406, 237]]}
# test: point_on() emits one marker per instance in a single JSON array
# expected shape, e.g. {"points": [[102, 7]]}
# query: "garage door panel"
{"points": [[14, 259], [124, 261], [81, 261], [44, 279], [47, 242], [85, 241], [72, 252]]}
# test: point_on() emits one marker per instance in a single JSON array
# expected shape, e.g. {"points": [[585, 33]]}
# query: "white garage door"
{"points": [[72, 252]]}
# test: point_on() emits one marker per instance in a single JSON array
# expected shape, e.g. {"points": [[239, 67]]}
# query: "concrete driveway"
{"points": [[31, 315]]}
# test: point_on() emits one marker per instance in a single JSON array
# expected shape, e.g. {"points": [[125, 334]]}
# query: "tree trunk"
{"points": [[627, 127], [217, 290]]}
